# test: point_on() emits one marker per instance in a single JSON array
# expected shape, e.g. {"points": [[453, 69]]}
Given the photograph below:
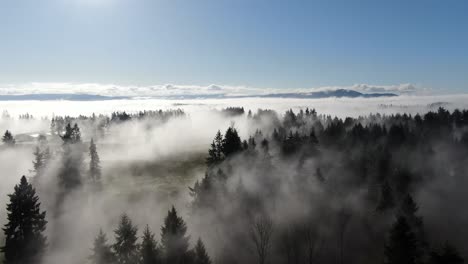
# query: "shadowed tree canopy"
{"points": [[215, 153], [173, 238], [8, 139], [448, 255], [232, 142], [24, 239], [401, 247], [72, 159], [200, 254], [149, 251], [94, 163], [125, 246], [102, 253]]}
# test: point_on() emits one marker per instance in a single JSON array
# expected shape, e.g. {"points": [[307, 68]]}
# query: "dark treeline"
{"points": [[318, 189], [99, 124], [303, 188], [26, 243]]}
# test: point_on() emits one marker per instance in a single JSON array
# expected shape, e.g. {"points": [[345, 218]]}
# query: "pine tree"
{"points": [[409, 210], [401, 247], [201, 256], [215, 153], [149, 251], [125, 246], [41, 157], [232, 142], [38, 162], [8, 139], [72, 159], [102, 253], [24, 239], [173, 238], [94, 164]]}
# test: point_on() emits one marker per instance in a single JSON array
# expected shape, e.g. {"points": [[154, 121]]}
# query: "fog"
{"points": [[148, 165]]}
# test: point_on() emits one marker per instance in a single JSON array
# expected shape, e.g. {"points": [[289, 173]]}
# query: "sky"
{"points": [[248, 43]]}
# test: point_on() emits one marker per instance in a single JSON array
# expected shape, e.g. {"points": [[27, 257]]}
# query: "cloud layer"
{"points": [[173, 90]]}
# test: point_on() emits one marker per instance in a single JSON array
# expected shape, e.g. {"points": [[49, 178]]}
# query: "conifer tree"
{"points": [[409, 210], [24, 239], [94, 164], [215, 153], [401, 247], [200, 254], [149, 252], [125, 246], [70, 173], [41, 157], [8, 139], [232, 142], [38, 162], [102, 253], [173, 238]]}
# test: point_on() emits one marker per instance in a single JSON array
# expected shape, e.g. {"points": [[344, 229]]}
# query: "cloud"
{"points": [[192, 91], [400, 88]]}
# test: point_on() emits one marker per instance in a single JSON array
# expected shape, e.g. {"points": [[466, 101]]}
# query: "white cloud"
{"points": [[175, 90]]}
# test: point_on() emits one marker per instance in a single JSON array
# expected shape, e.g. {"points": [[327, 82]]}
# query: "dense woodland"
{"points": [[304, 188]]}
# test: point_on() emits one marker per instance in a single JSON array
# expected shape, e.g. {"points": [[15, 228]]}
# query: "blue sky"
{"points": [[254, 43]]}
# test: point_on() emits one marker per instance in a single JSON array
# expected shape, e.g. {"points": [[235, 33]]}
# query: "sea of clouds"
{"points": [[174, 90]]}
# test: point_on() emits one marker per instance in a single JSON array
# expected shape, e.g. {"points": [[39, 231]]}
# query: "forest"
{"points": [[297, 187]]}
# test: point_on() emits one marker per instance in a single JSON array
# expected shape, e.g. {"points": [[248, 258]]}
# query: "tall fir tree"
{"points": [[102, 253], [38, 162], [200, 254], [149, 251], [8, 139], [232, 142], [25, 242], [401, 247], [70, 173], [409, 210], [125, 246], [94, 163], [42, 157], [173, 238], [215, 153]]}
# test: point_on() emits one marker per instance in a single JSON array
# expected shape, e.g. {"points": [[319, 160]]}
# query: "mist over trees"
{"points": [[297, 187]]}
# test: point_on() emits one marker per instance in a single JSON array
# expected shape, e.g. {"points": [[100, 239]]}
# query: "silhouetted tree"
{"points": [[125, 246], [409, 209], [149, 252], [8, 139], [72, 134], [102, 253], [401, 247], [72, 157], [173, 238], [38, 162], [200, 254], [448, 255], [232, 142], [24, 239], [94, 163], [215, 153], [260, 234]]}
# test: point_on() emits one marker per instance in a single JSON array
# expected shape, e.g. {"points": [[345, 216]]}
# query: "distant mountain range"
{"points": [[329, 93], [339, 93]]}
